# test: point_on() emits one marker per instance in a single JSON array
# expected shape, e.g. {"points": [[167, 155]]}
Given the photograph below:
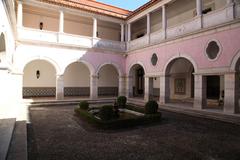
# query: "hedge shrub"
{"points": [[106, 113], [121, 101], [84, 105], [151, 107]]}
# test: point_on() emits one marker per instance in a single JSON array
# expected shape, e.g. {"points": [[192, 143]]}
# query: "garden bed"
{"points": [[129, 117]]}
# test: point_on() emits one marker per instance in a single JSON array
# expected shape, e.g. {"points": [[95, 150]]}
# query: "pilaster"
{"points": [[231, 93], [200, 92], [164, 89]]}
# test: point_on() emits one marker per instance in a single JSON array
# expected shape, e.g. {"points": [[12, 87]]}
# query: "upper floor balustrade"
{"points": [[168, 21]]}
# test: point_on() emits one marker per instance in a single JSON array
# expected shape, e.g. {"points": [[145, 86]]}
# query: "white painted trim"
{"points": [[87, 64], [135, 63], [234, 61], [187, 57], [47, 59], [116, 66], [219, 52]]}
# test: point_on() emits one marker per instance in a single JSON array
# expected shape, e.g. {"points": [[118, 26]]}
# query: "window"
{"points": [[213, 49]]}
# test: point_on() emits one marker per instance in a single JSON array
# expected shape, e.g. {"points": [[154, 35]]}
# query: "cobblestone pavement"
{"points": [[56, 134]]}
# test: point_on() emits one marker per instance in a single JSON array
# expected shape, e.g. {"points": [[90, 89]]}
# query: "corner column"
{"points": [[61, 22], [20, 14], [164, 89], [164, 21], [93, 87], [200, 92], [231, 93], [59, 87], [94, 27]]}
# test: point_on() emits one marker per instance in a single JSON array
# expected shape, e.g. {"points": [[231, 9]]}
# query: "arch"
{"points": [[2, 42], [172, 59], [39, 79], [116, 66], [133, 64], [77, 79], [234, 61], [49, 60], [87, 64]]}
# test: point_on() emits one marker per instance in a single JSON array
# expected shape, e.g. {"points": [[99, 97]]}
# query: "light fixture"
{"points": [[41, 25], [38, 74]]}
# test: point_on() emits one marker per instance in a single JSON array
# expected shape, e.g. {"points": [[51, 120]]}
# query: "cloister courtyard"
{"points": [[56, 133]]}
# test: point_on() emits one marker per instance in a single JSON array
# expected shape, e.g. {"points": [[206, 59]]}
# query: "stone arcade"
{"points": [[178, 52]]}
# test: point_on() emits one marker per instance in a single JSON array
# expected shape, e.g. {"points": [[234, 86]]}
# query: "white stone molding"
{"points": [[135, 63], [185, 56], [234, 61], [115, 65], [87, 64], [219, 52], [47, 59]]}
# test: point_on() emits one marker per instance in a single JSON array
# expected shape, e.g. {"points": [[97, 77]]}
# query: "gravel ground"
{"points": [[56, 134]]}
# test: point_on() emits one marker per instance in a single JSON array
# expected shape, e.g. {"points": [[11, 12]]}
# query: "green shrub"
{"points": [[121, 101], [106, 113], [84, 105], [151, 107]]}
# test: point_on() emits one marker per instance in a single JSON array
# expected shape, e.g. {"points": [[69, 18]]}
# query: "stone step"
{"points": [[208, 114], [68, 102], [18, 146], [6, 131]]}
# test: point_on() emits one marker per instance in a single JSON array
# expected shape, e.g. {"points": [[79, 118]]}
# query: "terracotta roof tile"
{"points": [[92, 6], [101, 8]]}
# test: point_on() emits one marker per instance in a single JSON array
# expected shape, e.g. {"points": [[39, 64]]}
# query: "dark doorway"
{"points": [[140, 81], [213, 87]]}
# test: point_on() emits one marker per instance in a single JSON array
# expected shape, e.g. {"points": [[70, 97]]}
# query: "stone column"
{"points": [[20, 14], [61, 22], [121, 88], [164, 21], [59, 87], [199, 7], [148, 24], [164, 89], [148, 91], [122, 32], [129, 88], [200, 91], [230, 93], [94, 28], [94, 87], [129, 32]]}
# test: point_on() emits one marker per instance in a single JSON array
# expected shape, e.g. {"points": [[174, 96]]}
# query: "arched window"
{"points": [[2, 43]]}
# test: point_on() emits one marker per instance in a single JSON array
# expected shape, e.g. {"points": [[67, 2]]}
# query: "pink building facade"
{"points": [[181, 55]]}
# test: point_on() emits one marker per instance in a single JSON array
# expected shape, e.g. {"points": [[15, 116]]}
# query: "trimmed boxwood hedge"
{"points": [[117, 123]]}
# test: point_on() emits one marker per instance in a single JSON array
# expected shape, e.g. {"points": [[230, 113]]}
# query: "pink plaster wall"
{"points": [[194, 48], [97, 59]]}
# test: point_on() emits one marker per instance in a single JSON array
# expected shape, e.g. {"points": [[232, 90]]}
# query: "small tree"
{"points": [[151, 107], [106, 113], [121, 101], [84, 105]]}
